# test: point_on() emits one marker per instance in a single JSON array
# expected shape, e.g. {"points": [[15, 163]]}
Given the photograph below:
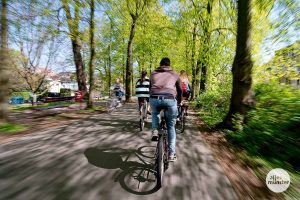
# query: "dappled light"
{"points": [[79, 80], [87, 159]]}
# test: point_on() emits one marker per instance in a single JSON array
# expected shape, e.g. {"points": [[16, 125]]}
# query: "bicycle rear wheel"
{"points": [[160, 162], [182, 121], [143, 116], [110, 105]]}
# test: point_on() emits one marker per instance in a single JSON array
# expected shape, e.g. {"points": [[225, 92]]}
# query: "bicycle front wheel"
{"points": [[160, 162]]}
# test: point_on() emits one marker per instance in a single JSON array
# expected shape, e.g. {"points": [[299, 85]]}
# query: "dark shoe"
{"points": [[154, 135], [148, 112], [172, 157]]}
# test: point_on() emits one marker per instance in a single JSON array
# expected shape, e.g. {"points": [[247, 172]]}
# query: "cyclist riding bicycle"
{"points": [[164, 87], [118, 89], [142, 90], [185, 87]]}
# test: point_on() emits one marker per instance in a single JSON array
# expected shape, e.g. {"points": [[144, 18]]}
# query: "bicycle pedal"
{"points": [[154, 138]]}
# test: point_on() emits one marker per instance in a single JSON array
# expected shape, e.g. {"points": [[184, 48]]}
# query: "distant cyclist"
{"points": [[118, 89], [185, 85], [142, 90], [164, 87]]}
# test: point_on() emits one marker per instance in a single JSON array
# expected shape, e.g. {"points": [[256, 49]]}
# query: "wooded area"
{"points": [[198, 36], [122, 38], [225, 46]]}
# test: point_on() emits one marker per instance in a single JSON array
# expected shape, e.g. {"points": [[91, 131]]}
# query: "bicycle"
{"points": [[161, 153], [143, 113], [182, 110], [114, 103]]}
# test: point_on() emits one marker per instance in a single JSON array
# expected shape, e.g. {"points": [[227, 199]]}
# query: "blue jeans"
{"points": [[170, 116]]}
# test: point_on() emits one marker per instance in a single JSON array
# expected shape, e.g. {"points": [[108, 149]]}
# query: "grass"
{"points": [[29, 106], [12, 128]]}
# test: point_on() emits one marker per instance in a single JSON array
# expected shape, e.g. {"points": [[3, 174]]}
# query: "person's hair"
{"points": [[183, 75], [165, 62], [118, 80], [143, 76]]}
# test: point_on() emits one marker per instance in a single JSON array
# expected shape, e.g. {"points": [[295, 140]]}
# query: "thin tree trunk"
{"points": [[129, 67], [4, 63], [197, 79], [92, 58], [242, 96], [124, 66], [109, 55], [203, 78], [194, 38]]}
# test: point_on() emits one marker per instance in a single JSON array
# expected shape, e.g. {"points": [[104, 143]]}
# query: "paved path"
{"points": [[105, 157]]}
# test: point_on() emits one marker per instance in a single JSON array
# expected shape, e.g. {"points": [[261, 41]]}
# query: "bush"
{"points": [[272, 130], [64, 92], [213, 105]]}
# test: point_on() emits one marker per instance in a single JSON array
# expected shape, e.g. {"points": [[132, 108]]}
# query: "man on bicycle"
{"points": [[142, 90], [164, 87]]}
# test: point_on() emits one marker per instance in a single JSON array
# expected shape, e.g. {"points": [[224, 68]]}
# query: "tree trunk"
{"points": [[203, 78], [80, 69], [193, 61], [4, 63], [4, 27], [242, 96], [197, 79], [109, 55], [205, 48], [124, 66], [129, 67], [74, 36], [92, 58]]}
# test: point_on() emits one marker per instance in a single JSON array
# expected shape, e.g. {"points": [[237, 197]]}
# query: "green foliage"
{"points": [[272, 131], [283, 65], [25, 95], [64, 92], [213, 105]]}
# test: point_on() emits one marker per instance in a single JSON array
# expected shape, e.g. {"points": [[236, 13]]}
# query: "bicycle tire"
{"points": [[182, 122], [145, 110], [109, 106], [160, 162]]}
